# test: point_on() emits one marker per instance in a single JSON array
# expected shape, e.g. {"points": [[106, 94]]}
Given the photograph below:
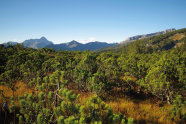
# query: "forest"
{"points": [[141, 82]]}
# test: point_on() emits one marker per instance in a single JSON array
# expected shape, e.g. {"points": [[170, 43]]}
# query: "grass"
{"points": [[7, 92], [141, 111]]}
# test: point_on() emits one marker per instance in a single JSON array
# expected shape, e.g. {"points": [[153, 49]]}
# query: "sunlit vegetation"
{"points": [[143, 82]]}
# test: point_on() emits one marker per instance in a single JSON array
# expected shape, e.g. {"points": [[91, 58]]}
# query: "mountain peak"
{"points": [[37, 43], [73, 41], [43, 38]]}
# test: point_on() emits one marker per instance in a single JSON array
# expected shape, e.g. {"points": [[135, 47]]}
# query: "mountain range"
{"points": [[73, 45]]}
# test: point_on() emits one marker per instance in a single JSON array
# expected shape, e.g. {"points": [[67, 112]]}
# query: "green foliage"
{"points": [[60, 120], [21, 119], [152, 65], [39, 108], [50, 96], [130, 121], [40, 119], [177, 111], [41, 96], [99, 112]]}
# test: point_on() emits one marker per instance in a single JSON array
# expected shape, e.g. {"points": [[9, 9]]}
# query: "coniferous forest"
{"points": [[140, 82]]}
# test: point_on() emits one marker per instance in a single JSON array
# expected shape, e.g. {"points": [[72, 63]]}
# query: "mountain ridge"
{"points": [[166, 41], [133, 38], [93, 46], [72, 45]]}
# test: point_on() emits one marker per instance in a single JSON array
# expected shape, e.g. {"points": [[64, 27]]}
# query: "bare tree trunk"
{"points": [[56, 99], [57, 93], [168, 97]]}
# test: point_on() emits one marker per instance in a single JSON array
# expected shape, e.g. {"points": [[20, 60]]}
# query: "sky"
{"points": [[109, 21]]}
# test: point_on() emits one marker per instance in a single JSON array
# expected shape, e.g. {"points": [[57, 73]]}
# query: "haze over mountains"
{"points": [[75, 45]]}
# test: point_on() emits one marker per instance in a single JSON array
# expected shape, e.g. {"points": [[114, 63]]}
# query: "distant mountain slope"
{"points": [[160, 42], [74, 45], [166, 41], [37, 43], [133, 38]]}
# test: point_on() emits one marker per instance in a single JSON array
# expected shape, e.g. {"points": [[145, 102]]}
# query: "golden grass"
{"points": [[141, 110], [22, 88], [179, 44], [84, 96], [177, 36]]}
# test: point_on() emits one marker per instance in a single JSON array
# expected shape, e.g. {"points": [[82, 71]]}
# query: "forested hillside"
{"points": [[154, 43], [153, 68]]}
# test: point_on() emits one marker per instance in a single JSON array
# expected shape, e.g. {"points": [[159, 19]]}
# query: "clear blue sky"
{"points": [[87, 20]]}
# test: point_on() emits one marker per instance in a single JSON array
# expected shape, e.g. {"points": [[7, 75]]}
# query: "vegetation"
{"points": [[152, 68]]}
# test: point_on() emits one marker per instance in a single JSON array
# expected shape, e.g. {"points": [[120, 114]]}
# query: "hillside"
{"points": [[163, 42], [160, 42], [131, 39]]}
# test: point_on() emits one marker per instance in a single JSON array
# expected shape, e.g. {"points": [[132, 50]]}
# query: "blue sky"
{"points": [[87, 20]]}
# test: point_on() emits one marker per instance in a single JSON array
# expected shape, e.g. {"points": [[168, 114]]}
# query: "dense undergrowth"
{"points": [[121, 82], [139, 108]]}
